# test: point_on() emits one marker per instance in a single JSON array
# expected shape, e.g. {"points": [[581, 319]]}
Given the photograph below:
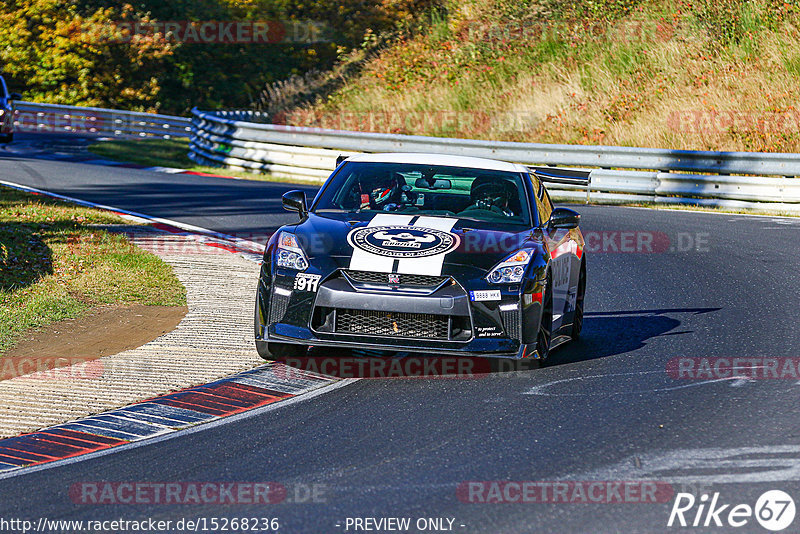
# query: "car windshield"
{"points": [[434, 190]]}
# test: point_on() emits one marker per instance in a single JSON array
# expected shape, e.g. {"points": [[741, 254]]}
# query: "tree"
{"points": [[59, 53]]}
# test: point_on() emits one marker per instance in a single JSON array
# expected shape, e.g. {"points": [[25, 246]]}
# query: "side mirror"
{"points": [[564, 218], [295, 201], [15, 96]]}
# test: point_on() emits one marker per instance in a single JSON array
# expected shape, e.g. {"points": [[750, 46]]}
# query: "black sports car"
{"points": [[445, 255]]}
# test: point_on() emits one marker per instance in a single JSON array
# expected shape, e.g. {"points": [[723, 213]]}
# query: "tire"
{"points": [[577, 321], [279, 351], [545, 335], [274, 351]]}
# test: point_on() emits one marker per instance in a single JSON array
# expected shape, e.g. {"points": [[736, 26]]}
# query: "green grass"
{"points": [[712, 209], [150, 152], [57, 262], [558, 200], [165, 153]]}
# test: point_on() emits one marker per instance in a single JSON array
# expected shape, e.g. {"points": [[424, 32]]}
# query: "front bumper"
{"points": [[442, 319]]}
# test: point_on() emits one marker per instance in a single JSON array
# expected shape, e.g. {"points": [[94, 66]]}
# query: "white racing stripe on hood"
{"points": [[431, 265], [361, 260]]}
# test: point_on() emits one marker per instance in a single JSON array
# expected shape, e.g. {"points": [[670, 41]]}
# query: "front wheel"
{"points": [[545, 325], [577, 321], [274, 351], [279, 351]]}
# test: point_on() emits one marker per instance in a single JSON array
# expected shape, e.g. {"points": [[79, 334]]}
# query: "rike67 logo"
{"points": [[774, 510]]}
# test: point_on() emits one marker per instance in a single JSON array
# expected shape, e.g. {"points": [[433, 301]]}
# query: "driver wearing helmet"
{"points": [[381, 192], [496, 195], [384, 191]]}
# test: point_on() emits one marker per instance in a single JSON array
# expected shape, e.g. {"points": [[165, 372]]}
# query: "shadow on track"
{"points": [[604, 334], [611, 333]]}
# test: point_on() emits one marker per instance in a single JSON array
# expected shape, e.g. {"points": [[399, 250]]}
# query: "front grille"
{"points": [[511, 324], [379, 323], [409, 280]]}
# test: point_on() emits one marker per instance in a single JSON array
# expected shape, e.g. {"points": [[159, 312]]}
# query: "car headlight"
{"points": [[512, 269], [289, 254]]}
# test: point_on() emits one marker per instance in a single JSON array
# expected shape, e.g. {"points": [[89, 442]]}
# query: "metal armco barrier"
{"points": [[55, 118], [245, 140]]}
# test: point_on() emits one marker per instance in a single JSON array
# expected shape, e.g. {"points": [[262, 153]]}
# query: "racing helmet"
{"points": [[385, 190], [489, 192]]}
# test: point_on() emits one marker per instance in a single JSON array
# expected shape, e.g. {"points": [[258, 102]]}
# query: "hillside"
{"points": [[168, 57], [707, 74]]}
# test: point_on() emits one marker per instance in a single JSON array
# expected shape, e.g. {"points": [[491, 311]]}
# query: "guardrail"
{"points": [[245, 140], [55, 118]]}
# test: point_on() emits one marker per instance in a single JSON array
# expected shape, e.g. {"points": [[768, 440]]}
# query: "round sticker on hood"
{"points": [[402, 241]]}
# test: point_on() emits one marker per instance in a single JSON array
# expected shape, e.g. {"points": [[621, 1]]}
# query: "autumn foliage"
{"points": [[71, 53]]}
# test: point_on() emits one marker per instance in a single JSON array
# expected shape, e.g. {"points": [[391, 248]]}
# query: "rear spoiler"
{"points": [[554, 175], [340, 158]]}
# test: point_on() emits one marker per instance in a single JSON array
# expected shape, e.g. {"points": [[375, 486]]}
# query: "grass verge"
{"points": [[165, 153], [56, 263], [676, 207], [712, 209]]}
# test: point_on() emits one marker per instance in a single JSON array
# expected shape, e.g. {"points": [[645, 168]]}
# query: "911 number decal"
{"points": [[307, 282]]}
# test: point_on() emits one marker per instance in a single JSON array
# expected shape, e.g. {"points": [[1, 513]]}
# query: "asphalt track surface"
{"points": [[605, 408]]}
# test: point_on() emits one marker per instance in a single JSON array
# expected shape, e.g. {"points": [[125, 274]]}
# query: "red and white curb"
{"points": [[160, 416]]}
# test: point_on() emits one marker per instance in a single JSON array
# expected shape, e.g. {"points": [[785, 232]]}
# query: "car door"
{"points": [[561, 247]]}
